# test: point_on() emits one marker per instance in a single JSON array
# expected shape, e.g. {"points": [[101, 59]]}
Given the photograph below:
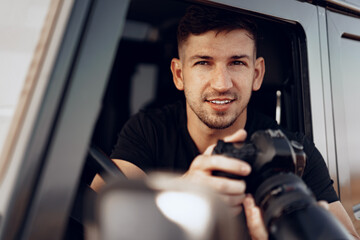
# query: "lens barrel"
{"points": [[289, 208], [291, 212]]}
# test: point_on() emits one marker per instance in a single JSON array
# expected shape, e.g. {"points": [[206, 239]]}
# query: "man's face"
{"points": [[218, 71]]}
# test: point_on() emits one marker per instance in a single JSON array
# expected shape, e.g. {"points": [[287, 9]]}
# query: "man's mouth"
{"points": [[220, 102], [220, 105]]}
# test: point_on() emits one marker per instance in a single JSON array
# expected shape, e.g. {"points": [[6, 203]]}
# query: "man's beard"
{"points": [[219, 120], [216, 120]]}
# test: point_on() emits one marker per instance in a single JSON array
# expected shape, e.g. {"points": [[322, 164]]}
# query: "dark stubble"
{"points": [[214, 119]]}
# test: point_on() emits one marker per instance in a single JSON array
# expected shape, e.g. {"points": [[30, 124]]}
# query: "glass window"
{"points": [[21, 24]]}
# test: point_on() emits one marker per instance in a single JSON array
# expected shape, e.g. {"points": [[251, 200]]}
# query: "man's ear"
{"points": [[176, 69], [259, 73]]}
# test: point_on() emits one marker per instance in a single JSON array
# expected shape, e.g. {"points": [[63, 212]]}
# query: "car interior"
{"points": [[149, 39], [141, 78]]}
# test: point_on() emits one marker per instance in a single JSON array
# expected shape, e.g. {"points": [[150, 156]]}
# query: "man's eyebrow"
{"points": [[205, 57], [201, 57], [240, 56]]}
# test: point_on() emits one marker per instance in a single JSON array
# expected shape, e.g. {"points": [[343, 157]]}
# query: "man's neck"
{"points": [[203, 136]]}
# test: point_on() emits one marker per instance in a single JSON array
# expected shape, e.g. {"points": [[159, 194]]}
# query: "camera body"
{"points": [[289, 208], [268, 152]]}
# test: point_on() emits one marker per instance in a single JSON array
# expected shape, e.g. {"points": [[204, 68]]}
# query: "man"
{"points": [[217, 69]]}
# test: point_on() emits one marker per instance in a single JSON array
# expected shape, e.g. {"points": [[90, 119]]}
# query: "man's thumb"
{"points": [[238, 136]]}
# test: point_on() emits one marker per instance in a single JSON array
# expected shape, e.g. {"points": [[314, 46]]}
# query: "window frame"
{"points": [[51, 165]]}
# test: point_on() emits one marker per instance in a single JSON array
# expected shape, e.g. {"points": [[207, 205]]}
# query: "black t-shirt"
{"points": [[158, 139]]}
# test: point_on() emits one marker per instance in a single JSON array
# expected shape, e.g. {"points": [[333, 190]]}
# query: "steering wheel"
{"points": [[83, 207]]}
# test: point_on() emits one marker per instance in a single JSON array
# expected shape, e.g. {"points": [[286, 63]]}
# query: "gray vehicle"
{"points": [[100, 61]]}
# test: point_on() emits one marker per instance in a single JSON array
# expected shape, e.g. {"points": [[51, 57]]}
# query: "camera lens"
{"points": [[291, 211], [281, 194]]}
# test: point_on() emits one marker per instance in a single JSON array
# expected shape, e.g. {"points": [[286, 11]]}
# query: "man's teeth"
{"points": [[220, 102]]}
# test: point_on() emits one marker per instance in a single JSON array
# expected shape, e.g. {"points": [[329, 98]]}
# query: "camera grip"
{"points": [[241, 151]]}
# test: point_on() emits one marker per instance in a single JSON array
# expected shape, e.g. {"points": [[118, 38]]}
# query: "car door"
{"points": [[344, 54], [43, 162]]}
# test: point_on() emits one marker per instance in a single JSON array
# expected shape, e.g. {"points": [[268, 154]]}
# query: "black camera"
{"points": [[290, 211]]}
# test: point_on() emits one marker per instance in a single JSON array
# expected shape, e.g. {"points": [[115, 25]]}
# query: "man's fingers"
{"points": [[324, 204], [227, 186], [233, 200], [254, 219], [238, 136], [221, 163], [210, 149]]}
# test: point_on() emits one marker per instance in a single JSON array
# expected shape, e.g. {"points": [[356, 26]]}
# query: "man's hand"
{"points": [[254, 220], [231, 191]]}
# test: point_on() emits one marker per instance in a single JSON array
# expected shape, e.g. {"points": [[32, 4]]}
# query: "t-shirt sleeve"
{"points": [[316, 174], [134, 142]]}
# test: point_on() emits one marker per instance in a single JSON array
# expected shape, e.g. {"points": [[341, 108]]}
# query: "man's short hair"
{"points": [[200, 19]]}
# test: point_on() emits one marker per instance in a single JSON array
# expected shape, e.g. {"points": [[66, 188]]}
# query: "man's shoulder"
{"points": [[167, 112], [161, 116]]}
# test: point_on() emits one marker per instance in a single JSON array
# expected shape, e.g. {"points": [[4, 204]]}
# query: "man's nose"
{"points": [[221, 80]]}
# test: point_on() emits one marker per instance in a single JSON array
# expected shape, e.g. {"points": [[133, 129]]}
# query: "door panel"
{"points": [[53, 159], [344, 51]]}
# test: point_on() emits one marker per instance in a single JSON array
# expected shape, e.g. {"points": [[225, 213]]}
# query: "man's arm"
{"points": [[200, 171], [130, 170], [338, 210]]}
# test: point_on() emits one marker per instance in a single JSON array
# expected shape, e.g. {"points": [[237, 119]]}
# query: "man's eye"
{"points": [[202, 63], [237, 63]]}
